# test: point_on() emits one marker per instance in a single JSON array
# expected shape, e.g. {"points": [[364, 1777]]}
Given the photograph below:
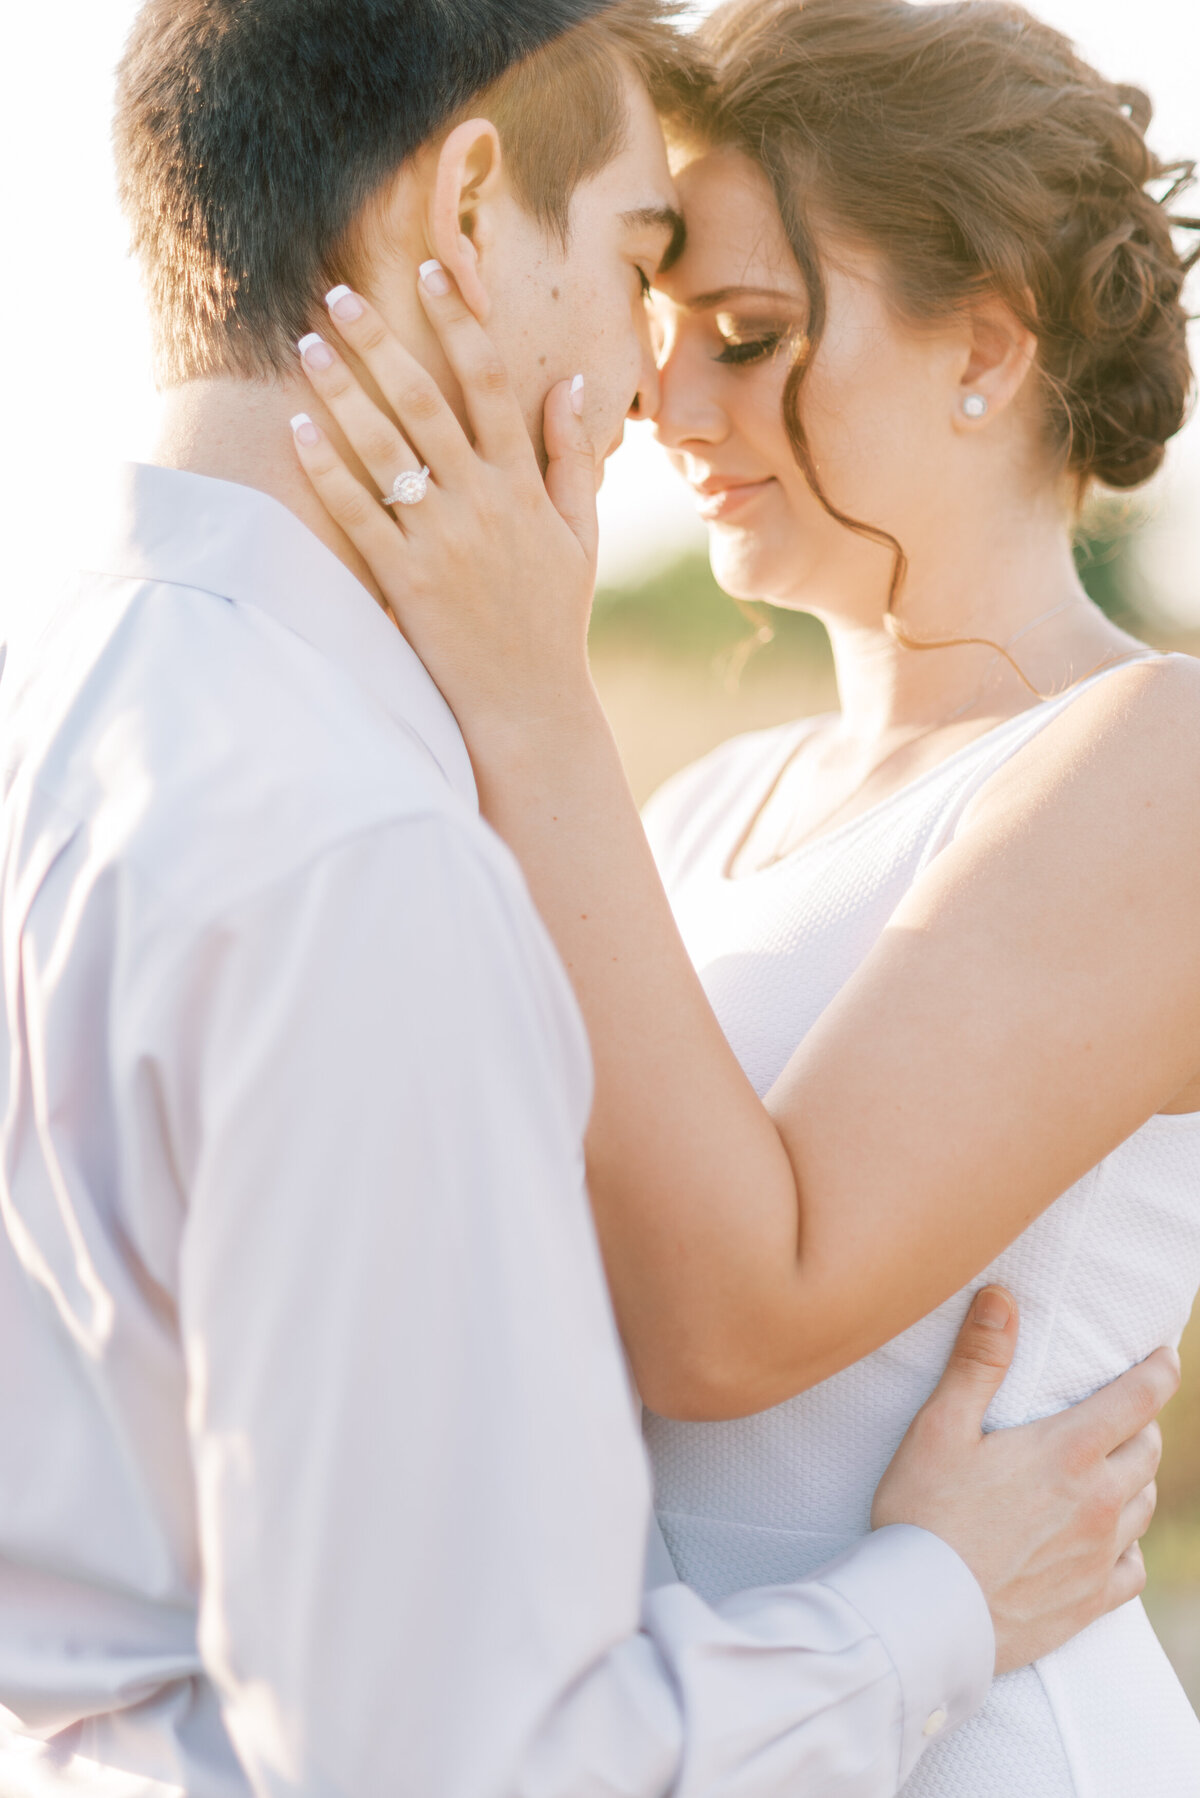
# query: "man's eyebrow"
{"points": [[721, 296], [660, 218]]}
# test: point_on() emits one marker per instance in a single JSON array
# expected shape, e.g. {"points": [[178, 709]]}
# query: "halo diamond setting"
{"points": [[409, 489]]}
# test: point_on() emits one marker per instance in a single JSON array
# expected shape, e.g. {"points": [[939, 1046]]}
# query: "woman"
{"points": [[929, 1003]]}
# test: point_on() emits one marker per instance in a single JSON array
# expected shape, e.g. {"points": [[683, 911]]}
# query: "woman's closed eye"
{"points": [[739, 355], [743, 344]]}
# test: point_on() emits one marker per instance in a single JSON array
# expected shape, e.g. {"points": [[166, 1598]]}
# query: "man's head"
{"points": [[269, 149]]}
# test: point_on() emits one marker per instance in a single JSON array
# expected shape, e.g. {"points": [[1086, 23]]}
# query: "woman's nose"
{"points": [[685, 412]]}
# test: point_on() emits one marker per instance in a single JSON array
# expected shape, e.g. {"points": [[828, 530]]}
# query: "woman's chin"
{"points": [[743, 565]]}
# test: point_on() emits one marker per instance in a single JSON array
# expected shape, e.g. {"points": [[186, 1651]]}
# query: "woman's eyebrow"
{"points": [[721, 296]]}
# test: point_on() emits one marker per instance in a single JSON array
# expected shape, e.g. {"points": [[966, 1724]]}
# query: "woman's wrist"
{"points": [[566, 725]]}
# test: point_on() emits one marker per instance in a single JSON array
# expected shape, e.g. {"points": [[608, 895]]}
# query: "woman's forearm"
{"points": [[694, 1192], [950, 1092]]}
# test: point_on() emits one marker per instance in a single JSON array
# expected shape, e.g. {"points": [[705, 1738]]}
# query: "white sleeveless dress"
{"points": [[1103, 1278]]}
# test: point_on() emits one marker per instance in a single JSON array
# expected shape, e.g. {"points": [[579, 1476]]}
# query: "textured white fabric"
{"points": [[1104, 1277], [320, 1474]]}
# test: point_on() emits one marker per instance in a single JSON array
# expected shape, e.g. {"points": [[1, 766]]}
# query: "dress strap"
{"points": [[1001, 745]]}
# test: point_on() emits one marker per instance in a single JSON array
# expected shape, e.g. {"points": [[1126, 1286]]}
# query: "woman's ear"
{"points": [[466, 182], [999, 353]]}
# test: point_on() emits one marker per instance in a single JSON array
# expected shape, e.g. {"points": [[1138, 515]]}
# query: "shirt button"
{"points": [[935, 1724]]}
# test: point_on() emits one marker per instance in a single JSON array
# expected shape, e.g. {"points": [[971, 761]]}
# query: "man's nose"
{"points": [[648, 396]]}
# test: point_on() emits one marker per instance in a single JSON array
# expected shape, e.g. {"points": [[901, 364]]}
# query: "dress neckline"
{"points": [[808, 728]]}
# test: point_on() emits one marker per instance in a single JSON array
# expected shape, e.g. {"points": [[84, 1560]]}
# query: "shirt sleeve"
{"points": [[423, 1498]]}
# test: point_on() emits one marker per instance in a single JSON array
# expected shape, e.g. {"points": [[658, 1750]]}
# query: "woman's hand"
{"points": [[490, 575]]}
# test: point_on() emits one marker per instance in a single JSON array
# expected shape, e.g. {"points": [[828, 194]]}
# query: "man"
{"points": [[319, 1473]]}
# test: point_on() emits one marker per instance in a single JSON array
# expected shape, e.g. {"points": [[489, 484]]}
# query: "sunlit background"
{"points": [[666, 643]]}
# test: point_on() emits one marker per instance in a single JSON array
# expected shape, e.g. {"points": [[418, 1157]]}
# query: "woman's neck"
{"points": [[1015, 586]]}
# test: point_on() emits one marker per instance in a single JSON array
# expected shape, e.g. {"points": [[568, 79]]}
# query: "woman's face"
{"points": [[878, 402]]}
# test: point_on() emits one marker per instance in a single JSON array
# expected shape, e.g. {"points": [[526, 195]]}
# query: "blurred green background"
{"points": [[680, 668]]}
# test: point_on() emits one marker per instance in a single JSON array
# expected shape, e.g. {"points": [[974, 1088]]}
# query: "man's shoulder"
{"points": [[206, 744]]}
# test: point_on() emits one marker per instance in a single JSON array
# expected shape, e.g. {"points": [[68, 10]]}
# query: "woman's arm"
{"points": [[1033, 1001]]}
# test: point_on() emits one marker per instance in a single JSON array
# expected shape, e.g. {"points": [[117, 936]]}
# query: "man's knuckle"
{"points": [[1150, 1390], [977, 1350], [1151, 1457], [1098, 1514], [1129, 1577], [1079, 1452]]}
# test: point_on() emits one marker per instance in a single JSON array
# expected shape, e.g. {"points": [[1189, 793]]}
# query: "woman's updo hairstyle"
{"points": [[971, 147]]}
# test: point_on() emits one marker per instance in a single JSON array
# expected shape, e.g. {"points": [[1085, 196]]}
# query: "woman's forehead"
{"points": [[735, 235]]}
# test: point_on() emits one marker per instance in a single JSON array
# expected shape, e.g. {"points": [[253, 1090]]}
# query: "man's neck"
{"points": [[235, 430]]}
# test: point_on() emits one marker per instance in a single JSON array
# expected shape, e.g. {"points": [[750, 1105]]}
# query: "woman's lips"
{"points": [[717, 502]]}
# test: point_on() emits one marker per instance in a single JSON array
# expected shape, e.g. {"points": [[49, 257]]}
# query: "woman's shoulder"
{"points": [[1124, 753], [1140, 712], [710, 795]]}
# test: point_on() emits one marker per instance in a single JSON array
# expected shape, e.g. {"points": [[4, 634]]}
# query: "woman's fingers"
{"points": [[373, 437], [349, 504], [425, 416], [501, 434], [571, 470]]}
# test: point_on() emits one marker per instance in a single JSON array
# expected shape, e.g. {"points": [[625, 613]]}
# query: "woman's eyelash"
{"points": [[757, 350], [647, 283]]}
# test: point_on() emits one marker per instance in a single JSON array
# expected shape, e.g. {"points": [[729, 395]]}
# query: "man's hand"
{"points": [[1047, 1517]]}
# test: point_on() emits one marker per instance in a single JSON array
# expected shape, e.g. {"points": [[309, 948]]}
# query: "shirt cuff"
{"points": [[927, 1609]]}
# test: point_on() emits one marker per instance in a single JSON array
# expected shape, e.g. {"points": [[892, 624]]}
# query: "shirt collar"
{"points": [[239, 544]]}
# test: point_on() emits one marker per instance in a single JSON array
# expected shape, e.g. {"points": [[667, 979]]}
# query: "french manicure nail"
{"points": [[992, 1310], [305, 431], [315, 351], [433, 279], [344, 304], [577, 396]]}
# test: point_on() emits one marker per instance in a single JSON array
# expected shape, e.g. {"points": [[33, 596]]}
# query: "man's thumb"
{"points": [[571, 475], [982, 1357]]}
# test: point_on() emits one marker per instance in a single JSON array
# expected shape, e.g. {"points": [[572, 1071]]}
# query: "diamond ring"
{"points": [[409, 489]]}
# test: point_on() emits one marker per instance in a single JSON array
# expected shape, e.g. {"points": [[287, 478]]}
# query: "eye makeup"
{"points": [[747, 341]]}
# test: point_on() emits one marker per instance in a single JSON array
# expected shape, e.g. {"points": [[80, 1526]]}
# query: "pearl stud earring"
{"points": [[975, 405]]}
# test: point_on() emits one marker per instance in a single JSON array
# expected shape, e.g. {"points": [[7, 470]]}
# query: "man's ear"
{"points": [[460, 227], [998, 355]]}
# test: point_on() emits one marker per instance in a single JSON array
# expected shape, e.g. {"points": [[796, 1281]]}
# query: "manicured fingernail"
{"points": [[305, 431], [344, 304], [433, 279], [577, 396], [315, 351], [992, 1310]]}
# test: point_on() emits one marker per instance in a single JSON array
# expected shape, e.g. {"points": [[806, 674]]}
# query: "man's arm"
{"points": [[422, 1494]]}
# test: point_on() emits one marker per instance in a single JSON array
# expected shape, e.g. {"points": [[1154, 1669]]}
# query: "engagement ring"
{"points": [[409, 489]]}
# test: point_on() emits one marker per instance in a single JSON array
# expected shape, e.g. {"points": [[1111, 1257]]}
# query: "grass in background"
{"points": [[679, 670]]}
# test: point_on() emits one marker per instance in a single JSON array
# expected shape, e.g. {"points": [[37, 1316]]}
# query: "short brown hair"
{"points": [[250, 136], [977, 152], [554, 147]]}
